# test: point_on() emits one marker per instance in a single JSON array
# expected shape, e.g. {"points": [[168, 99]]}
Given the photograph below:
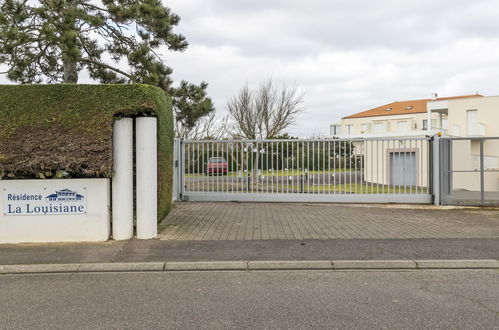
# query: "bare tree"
{"points": [[210, 127], [264, 113]]}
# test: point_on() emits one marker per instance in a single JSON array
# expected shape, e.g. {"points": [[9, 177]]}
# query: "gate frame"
{"points": [[444, 170], [181, 195]]}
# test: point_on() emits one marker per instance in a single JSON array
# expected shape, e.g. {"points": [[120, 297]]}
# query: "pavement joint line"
{"points": [[334, 265]]}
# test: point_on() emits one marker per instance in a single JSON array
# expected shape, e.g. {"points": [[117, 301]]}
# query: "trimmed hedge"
{"points": [[66, 130]]}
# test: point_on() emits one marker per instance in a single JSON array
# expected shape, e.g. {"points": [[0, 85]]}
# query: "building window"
{"points": [[335, 130], [363, 128], [425, 124], [471, 122], [349, 129]]}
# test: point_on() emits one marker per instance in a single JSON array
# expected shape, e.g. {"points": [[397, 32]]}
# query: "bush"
{"points": [[66, 130]]}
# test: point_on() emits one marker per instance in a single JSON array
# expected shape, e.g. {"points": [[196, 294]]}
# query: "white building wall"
{"points": [[377, 159], [466, 152]]}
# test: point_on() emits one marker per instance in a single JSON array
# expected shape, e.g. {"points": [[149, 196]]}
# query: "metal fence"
{"points": [[343, 170], [469, 171]]}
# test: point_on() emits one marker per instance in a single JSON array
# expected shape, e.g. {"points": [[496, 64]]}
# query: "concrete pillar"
{"points": [[122, 181], [146, 174]]}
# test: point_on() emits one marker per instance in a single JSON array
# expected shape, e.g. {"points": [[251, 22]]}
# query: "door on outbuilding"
{"points": [[403, 168]]}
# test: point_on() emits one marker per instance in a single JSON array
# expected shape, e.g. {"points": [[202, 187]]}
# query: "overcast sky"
{"points": [[347, 56]]}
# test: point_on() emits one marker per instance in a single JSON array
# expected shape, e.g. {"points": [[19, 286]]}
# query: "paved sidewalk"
{"points": [[288, 232], [137, 251], [299, 221]]}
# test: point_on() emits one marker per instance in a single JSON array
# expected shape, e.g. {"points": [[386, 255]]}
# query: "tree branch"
{"points": [[88, 60]]}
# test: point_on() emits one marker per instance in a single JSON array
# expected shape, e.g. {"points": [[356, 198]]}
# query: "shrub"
{"points": [[66, 130]]}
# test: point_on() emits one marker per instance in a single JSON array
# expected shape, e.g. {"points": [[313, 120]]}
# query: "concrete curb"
{"points": [[289, 265], [206, 265], [39, 268], [457, 264], [335, 265], [122, 267], [374, 264]]}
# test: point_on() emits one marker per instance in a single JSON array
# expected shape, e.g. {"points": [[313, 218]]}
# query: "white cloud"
{"points": [[347, 56]]}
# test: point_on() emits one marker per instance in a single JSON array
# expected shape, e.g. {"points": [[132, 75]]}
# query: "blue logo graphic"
{"points": [[65, 195]]}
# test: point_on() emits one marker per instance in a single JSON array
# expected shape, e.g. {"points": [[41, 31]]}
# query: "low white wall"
{"points": [[23, 203]]}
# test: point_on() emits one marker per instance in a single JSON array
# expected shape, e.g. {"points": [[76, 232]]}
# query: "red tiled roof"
{"points": [[403, 107]]}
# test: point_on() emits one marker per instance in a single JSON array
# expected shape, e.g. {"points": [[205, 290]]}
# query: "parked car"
{"points": [[216, 165]]}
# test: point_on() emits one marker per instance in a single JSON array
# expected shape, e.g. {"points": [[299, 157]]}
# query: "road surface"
{"points": [[252, 300]]}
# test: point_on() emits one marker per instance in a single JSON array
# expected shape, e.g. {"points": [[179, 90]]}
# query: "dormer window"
{"points": [[409, 107], [388, 109]]}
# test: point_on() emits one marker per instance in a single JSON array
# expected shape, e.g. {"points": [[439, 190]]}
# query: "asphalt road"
{"points": [[252, 300]]}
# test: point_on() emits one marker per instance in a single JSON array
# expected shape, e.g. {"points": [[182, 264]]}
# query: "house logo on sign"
{"points": [[65, 195]]}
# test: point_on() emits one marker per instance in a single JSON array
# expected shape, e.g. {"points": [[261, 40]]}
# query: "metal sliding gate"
{"points": [[388, 170], [469, 171]]}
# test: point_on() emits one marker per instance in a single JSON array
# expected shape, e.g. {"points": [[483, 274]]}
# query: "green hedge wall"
{"points": [[53, 131]]}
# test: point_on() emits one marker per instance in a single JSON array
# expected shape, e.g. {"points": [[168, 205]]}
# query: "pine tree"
{"points": [[53, 41]]}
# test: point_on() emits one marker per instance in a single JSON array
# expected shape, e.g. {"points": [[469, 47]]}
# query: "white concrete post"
{"points": [[122, 181], [146, 173]]}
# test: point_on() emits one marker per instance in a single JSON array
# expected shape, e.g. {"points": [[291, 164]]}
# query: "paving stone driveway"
{"points": [[288, 221]]}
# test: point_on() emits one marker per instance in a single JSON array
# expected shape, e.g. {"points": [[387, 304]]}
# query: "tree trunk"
{"points": [[69, 62], [70, 73]]}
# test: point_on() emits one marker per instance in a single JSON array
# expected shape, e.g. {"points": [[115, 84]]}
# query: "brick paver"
{"points": [[287, 221]]}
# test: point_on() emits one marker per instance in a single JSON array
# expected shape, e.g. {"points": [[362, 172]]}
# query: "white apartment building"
{"points": [[401, 118], [459, 116]]}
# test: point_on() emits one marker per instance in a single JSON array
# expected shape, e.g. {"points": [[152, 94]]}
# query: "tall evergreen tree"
{"points": [[116, 41]]}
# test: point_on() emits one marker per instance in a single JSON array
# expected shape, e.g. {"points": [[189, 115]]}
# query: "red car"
{"points": [[216, 165]]}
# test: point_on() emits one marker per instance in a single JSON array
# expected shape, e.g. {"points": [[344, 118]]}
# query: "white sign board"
{"points": [[43, 201], [54, 210]]}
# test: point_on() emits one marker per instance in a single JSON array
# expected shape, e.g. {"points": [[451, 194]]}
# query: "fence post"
{"points": [[181, 169], [482, 175], [177, 170], [436, 169], [122, 181], [147, 182]]}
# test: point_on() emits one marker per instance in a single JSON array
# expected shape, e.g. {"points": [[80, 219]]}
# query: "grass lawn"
{"points": [[366, 188], [321, 189], [278, 173]]}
